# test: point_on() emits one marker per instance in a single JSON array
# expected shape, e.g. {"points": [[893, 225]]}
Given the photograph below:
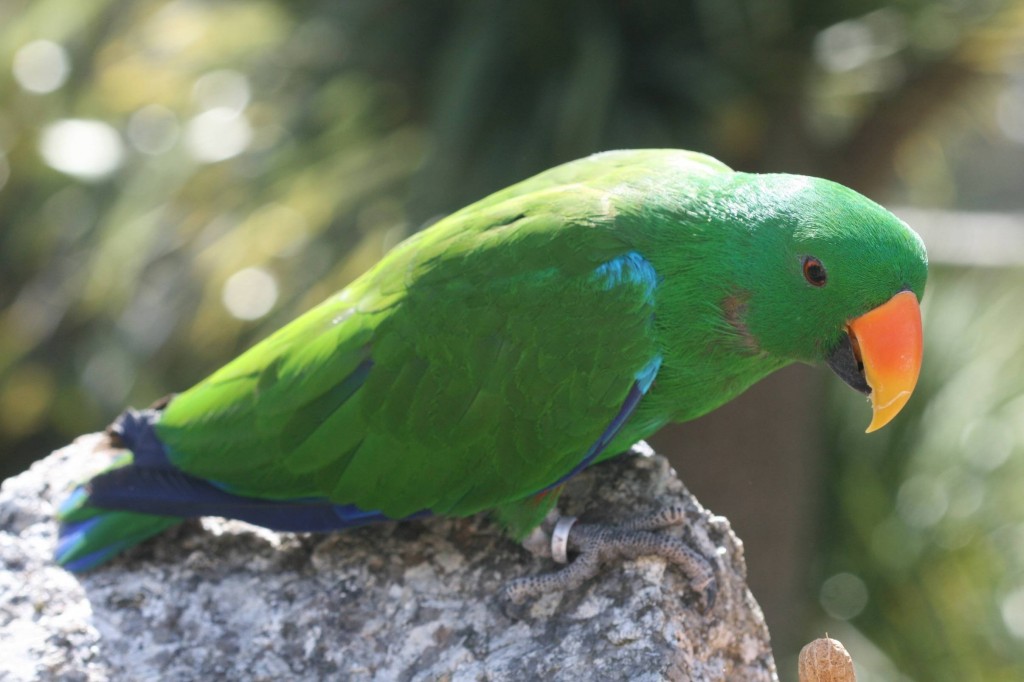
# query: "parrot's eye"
{"points": [[814, 271]]}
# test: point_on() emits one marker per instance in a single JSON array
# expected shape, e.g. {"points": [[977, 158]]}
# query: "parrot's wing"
{"points": [[476, 364]]}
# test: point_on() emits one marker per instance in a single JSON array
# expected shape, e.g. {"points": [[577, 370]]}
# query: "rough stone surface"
{"points": [[413, 601]]}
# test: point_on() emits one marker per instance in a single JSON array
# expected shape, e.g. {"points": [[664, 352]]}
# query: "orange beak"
{"points": [[889, 343]]}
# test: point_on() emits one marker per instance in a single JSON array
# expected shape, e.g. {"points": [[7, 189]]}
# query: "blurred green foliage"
{"points": [[178, 178], [296, 142], [928, 522]]}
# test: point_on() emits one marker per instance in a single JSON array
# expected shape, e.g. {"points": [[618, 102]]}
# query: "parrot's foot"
{"points": [[597, 543]]}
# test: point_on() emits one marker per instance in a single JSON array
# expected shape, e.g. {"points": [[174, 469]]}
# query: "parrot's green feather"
{"points": [[481, 360], [474, 396]]}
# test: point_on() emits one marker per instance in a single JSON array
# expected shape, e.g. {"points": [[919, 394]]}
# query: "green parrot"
{"points": [[489, 358]]}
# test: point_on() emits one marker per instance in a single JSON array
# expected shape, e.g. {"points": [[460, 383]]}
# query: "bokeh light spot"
{"points": [[922, 501], [176, 26], [968, 495], [1010, 113], [223, 89], [41, 66], [856, 43], [108, 376], [843, 596], [1012, 609], [843, 46], [86, 149], [217, 135], [249, 294], [153, 129], [987, 443]]}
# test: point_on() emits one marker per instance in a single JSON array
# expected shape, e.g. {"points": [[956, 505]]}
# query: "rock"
{"points": [[411, 601]]}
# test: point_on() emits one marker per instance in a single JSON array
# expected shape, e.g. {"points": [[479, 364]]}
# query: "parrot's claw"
{"points": [[597, 543]]}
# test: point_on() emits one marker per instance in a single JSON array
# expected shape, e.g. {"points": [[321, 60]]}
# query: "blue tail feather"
{"points": [[91, 561], [85, 543], [122, 507], [74, 532], [144, 493], [71, 544], [174, 493], [75, 500]]}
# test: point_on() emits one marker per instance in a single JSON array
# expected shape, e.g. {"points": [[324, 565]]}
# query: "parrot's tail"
{"points": [[143, 493], [90, 535], [128, 503]]}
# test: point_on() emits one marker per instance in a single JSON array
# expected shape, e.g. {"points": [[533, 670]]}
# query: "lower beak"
{"points": [[881, 355]]}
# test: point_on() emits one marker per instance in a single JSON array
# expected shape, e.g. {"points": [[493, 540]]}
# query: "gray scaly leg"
{"points": [[598, 543]]}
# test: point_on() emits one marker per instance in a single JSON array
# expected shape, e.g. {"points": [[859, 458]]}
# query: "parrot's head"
{"points": [[830, 276]]}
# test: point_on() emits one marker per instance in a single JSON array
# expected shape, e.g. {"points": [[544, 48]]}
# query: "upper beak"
{"points": [[881, 355]]}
